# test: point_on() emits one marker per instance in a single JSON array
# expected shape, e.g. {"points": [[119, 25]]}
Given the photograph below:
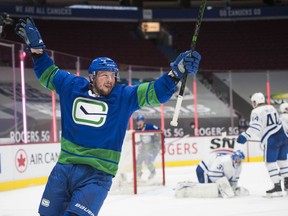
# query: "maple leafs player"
{"points": [[284, 120], [283, 108], [218, 165], [266, 124], [94, 119]]}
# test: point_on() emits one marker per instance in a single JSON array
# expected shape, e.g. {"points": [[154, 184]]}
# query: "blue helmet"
{"points": [[238, 155], [237, 158], [140, 118], [103, 64]]}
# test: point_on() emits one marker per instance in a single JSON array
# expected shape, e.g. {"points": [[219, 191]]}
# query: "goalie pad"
{"points": [[195, 190], [225, 188]]}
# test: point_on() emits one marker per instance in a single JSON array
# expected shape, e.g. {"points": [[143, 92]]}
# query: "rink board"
{"points": [[23, 165]]}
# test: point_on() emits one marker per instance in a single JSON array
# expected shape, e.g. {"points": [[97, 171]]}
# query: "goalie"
{"points": [[219, 165], [149, 147], [218, 174]]}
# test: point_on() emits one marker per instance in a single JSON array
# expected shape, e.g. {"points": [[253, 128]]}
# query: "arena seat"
{"points": [[117, 40], [236, 45]]}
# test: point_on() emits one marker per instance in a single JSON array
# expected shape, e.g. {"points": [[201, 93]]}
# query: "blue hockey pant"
{"points": [[78, 189]]}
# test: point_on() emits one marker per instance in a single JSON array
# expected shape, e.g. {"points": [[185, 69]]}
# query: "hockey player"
{"points": [[284, 120], [218, 165], [94, 118], [149, 147], [283, 108], [265, 124]]}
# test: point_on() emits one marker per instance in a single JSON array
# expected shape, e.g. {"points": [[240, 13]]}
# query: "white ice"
{"points": [[161, 201]]}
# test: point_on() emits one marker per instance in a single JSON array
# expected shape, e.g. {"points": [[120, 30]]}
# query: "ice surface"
{"points": [[161, 201]]}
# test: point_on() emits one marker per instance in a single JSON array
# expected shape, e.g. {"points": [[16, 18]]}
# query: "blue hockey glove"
{"points": [[29, 33], [189, 61], [241, 139]]}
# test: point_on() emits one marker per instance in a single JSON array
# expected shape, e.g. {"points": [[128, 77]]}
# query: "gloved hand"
{"points": [[29, 33], [241, 191], [189, 61], [242, 138]]}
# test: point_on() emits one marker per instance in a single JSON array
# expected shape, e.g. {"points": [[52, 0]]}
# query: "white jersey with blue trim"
{"points": [[264, 121], [218, 165], [284, 121]]}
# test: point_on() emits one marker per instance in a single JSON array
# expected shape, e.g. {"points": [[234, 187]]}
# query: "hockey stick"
{"points": [[259, 141], [174, 121]]}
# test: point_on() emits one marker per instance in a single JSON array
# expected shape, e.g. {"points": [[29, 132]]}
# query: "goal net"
{"points": [[141, 166]]}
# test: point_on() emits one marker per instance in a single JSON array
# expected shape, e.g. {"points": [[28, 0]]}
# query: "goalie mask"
{"points": [[103, 64], [257, 98], [140, 122], [237, 158]]}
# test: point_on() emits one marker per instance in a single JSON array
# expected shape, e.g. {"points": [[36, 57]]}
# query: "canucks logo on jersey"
{"points": [[89, 112]]}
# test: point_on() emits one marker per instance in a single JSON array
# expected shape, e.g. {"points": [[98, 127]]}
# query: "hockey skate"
{"points": [[152, 174], [275, 192], [139, 175], [286, 185]]}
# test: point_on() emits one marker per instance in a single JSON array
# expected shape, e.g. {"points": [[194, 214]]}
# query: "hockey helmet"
{"points": [[238, 155], [140, 118], [283, 107], [257, 98], [103, 64], [237, 158]]}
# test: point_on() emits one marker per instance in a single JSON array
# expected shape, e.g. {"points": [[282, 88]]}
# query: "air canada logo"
{"points": [[21, 160], [89, 112]]}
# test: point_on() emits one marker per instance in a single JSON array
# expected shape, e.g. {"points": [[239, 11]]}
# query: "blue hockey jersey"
{"points": [[93, 127]]}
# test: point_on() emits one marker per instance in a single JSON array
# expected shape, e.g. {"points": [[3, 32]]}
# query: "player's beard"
{"points": [[104, 89]]}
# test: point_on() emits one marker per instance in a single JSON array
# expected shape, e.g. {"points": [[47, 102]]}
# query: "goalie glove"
{"points": [[241, 191], [29, 33], [186, 61]]}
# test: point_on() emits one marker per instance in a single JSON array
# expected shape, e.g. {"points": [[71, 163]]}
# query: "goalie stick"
{"points": [[174, 121]]}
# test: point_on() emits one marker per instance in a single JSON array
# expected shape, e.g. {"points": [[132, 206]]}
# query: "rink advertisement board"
{"points": [[190, 150], [29, 164], [26, 163]]}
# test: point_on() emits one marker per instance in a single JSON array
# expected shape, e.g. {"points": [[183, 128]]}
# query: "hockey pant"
{"points": [[202, 176], [79, 189]]}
